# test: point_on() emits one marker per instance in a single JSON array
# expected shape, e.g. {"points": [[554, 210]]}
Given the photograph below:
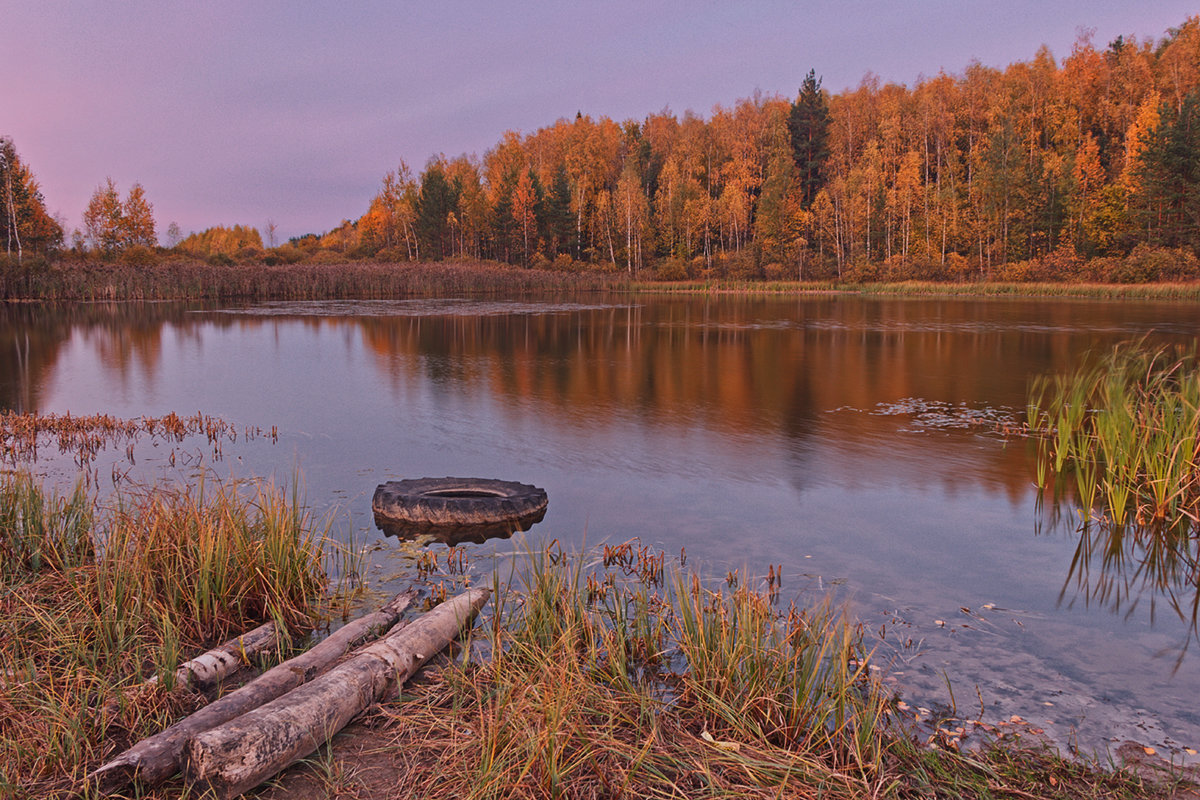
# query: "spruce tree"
{"points": [[436, 201], [808, 128], [560, 222], [1169, 176]]}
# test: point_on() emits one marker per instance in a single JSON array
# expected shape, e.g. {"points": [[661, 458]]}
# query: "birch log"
{"points": [[242, 753], [208, 669], [156, 758]]}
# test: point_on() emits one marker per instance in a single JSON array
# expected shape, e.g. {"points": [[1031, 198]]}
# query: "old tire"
{"points": [[457, 501]]}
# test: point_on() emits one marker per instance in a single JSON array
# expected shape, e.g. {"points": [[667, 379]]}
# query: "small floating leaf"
{"points": [[1189, 751], [1149, 751]]}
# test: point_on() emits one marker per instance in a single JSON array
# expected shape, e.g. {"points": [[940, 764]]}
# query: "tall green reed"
{"points": [[40, 531], [1126, 427]]}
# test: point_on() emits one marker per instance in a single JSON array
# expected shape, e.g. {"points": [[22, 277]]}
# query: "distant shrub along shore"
{"points": [[159, 274], [183, 278]]}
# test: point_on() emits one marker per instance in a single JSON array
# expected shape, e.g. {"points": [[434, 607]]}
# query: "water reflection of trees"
{"points": [[123, 336], [743, 366], [30, 340]]}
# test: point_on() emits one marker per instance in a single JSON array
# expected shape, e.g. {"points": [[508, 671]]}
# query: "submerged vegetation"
{"points": [[85, 436], [96, 599]]}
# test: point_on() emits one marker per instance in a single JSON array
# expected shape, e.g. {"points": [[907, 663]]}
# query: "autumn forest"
{"points": [[1086, 168]]}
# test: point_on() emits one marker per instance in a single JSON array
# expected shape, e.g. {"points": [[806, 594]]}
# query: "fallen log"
{"points": [[206, 670], [156, 758], [238, 755]]}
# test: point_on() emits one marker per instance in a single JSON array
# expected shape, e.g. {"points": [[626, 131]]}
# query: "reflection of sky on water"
{"points": [[827, 435]]}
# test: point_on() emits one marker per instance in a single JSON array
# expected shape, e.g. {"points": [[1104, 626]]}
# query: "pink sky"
{"points": [[240, 112]]}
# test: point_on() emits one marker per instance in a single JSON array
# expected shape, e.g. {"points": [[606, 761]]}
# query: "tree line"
{"points": [[1041, 169], [975, 174]]}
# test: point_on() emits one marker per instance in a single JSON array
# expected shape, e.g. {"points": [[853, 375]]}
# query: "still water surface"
{"points": [[849, 439]]}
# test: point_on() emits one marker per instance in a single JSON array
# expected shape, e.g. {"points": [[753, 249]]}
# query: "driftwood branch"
{"points": [[237, 756], [156, 758]]}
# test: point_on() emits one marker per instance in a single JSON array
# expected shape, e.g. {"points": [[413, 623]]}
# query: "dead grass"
{"points": [[93, 601], [185, 279], [610, 683]]}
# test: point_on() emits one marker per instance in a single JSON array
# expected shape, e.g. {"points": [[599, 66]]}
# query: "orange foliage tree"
{"points": [[988, 172]]}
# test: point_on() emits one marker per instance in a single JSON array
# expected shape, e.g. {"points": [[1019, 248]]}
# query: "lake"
{"points": [[855, 441]]}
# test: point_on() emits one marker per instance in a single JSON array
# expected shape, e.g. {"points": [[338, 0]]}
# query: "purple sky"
{"points": [[240, 112]]}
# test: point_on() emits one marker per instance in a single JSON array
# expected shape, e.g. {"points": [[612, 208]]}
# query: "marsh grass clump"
{"points": [[1120, 436], [600, 675], [95, 600], [625, 684], [40, 532], [1124, 431]]}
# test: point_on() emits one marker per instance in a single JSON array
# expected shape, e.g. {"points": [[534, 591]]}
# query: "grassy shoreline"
{"points": [[1150, 291], [96, 598], [633, 679], [621, 678], [192, 280]]}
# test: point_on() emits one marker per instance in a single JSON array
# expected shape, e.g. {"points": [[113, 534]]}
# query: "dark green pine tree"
{"points": [[434, 205], [808, 128], [540, 207], [1169, 172], [559, 222], [504, 232]]}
